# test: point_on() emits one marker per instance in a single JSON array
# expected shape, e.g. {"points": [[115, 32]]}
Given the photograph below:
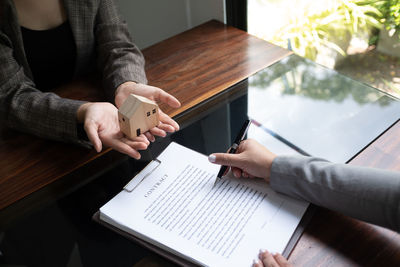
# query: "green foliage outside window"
{"points": [[390, 10], [328, 27]]}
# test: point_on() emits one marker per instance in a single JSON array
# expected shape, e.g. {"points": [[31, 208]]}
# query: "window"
{"points": [[148, 113], [154, 111], [138, 132], [236, 13]]}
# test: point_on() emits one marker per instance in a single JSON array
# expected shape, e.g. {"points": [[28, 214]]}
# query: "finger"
{"points": [[124, 148], [166, 127], [281, 260], [91, 129], [136, 145], [164, 118], [119, 100], [247, 175], [168, 99], [237, 172], [158, 132], [225, 159], [257, 263], [267, 259], [140, 138], [149, 136]]}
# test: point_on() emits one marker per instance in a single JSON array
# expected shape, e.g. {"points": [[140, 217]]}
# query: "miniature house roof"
{"points": [[133, 102]]}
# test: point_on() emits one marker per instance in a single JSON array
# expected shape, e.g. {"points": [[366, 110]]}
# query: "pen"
{"points": [[235, 145]]}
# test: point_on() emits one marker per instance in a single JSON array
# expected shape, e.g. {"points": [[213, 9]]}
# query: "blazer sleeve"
{"points": [[27, 109], [368, 194], [119, 60]]}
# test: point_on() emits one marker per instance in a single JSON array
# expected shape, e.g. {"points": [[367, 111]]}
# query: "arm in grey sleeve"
{"points": [[371, 195]]}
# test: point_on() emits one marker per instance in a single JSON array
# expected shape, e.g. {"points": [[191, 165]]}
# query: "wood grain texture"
{"points": [[332, 239], [193, 66], [28, 163], [206, 60], [384, 152]]}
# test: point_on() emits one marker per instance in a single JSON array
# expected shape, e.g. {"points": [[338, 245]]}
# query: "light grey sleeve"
{"points": [[371, 195]]}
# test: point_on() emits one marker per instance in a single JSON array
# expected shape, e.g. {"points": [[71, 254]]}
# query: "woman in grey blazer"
{"points": [[100, 43], [368, 194]]}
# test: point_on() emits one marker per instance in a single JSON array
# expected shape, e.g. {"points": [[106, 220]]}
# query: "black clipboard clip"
{"points": [[138, 178]]}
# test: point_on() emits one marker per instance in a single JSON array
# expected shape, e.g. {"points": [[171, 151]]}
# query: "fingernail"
{"points": [[212, 158], [262, 251], [256, 261]]}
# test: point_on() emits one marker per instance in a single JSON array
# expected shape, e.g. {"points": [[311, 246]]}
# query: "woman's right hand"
{"points": [[251, 160], [100, 121], [167, 124]]}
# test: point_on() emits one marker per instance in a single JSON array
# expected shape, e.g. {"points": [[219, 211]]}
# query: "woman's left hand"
{"points": [[156, 94]]}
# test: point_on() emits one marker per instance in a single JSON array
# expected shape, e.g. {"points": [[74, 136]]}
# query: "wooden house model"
{"points": [[137, 115]]}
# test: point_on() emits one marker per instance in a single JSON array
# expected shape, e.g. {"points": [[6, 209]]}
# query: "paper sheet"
{"points": [[177, 208]]}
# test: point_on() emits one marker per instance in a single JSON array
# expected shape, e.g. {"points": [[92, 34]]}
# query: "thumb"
{"points": [[91, 131], [225, 159], [118, 101], [170, 100]]}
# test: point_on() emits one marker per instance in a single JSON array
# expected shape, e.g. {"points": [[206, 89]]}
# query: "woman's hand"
{"points": [[157, 95], [102, 128], [251, 160], [267, 259]]}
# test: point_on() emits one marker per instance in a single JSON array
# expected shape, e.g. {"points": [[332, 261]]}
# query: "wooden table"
{"points": [[200, 67], [194, 66]]}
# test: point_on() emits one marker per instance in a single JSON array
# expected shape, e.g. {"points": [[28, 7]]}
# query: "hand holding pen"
{"points": [[235, 145], [250, 160]]}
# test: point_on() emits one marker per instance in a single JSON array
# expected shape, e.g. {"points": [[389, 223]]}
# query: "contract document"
{"points": [[174, 205]]}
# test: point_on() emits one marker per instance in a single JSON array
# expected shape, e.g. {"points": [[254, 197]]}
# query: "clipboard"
{"points": [[138, 178], [182, 262], [148, 170], [129, 187]]}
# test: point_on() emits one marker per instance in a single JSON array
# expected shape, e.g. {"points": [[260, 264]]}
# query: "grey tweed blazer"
{"points": [[102, 39], [368, 194]]}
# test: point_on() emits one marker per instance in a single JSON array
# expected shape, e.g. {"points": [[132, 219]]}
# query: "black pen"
{"points": [[235, 145]]}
